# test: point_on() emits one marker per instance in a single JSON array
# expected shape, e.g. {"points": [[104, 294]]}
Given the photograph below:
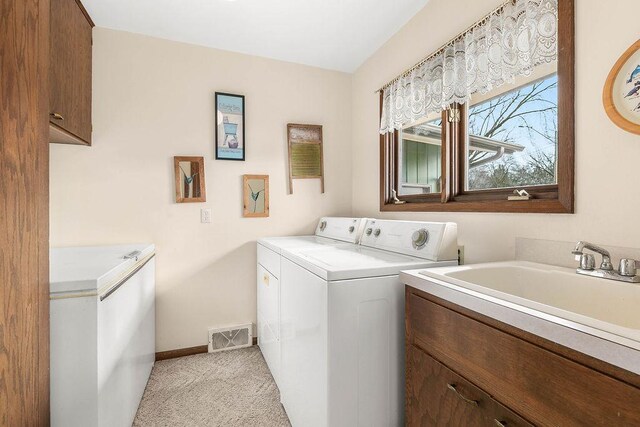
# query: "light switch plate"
{"points": [[205, 216]]}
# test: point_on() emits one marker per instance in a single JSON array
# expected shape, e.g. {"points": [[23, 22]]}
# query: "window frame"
{"points": [[557, 198]]}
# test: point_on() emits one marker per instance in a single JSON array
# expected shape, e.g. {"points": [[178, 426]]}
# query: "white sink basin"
{"points": [[605, 308]]}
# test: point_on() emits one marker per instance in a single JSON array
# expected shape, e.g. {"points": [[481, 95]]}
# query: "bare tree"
{"points": [[529, 112]]}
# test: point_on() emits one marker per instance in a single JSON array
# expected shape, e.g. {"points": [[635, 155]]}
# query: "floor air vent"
{"points": [[231, 337]]}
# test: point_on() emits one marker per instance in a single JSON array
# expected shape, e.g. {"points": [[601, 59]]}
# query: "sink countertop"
{"points": [[527, 319]]}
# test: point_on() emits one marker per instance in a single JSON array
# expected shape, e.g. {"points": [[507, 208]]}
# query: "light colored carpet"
{"points": [[230, 388]]}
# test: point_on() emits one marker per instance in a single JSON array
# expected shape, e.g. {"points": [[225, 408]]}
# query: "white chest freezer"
{"points": [[102, 333]]}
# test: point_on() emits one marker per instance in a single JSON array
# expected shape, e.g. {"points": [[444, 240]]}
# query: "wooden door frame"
{"points": [[24, 213]]}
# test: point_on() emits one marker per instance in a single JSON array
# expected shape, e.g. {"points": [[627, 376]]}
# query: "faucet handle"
{"points": [[587, 261], [628, 267]]}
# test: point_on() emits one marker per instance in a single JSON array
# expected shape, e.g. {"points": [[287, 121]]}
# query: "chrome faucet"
{"points": [[606, 256], [625, 273]]}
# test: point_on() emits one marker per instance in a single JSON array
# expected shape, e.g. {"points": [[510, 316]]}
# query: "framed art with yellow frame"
{"points": [[255, 196], [621, 95]]}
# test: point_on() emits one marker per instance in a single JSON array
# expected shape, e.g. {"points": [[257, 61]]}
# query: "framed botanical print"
{"points": [[256, 196], [230, 135], [189, 174]]}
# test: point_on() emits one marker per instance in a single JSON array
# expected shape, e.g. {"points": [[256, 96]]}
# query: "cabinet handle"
{"points": [[56, 116], [500, 423], [453, 388]]}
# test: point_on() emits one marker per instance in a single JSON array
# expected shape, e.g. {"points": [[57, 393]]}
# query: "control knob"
{"points": [[377, 232], [369, 231], [419, 238], [323, 225]]}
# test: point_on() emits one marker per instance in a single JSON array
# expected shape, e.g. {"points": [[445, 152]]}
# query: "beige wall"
{"points": [[154, 99], [607, 176]]}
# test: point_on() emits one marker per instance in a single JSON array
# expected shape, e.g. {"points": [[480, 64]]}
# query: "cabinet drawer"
{"points": [[269, 259], [542, 386], [437, 396]]}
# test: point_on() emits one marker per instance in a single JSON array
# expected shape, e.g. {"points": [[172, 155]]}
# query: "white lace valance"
{"points": [[509, 42]]}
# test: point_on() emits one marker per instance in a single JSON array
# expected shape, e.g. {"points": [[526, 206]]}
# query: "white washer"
{"points": [[330, 231], [342, 323]]}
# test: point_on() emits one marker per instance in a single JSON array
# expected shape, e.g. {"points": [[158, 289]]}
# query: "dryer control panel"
{"points": [[436, 241]]}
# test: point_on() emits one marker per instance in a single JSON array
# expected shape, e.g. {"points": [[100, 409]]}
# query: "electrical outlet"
{"points": [[461, 255], [205, 216]]}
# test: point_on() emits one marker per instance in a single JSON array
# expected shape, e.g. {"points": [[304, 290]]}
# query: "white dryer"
{"points": [[330, 231], [342, 323]]}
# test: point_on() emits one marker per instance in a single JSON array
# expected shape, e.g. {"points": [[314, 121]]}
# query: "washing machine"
{"points": [[330, 231], [342, 323]]}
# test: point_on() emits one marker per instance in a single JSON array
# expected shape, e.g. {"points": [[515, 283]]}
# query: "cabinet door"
{"points": [[436, 396], [545, 387], [269, 299], [70, 69]]}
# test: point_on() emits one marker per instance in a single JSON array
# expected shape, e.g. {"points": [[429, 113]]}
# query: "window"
{"points": [[512, 138], [421, 154], [471, 157]]}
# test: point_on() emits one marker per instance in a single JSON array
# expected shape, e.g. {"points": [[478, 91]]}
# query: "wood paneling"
{"points": [[24, 213], [543, 386], [71, 44]]}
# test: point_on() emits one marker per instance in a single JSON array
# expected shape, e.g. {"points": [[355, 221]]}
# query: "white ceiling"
{"points": [[333, 34]]}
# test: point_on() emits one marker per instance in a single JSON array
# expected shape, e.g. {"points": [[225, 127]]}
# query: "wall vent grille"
{"points": [[230, 337]]}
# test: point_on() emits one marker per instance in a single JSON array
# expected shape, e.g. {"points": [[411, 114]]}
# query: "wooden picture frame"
{"points": [[255, 198], [230, 129], [622, 90], [306, 159], [189, 179]]}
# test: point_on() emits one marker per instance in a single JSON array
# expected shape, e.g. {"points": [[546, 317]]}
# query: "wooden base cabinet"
{"points": [[464, 369]]}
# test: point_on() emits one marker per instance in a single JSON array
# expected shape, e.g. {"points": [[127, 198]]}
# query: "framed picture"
{"points": [[621, 96], [256, 196], [230, 136], [305, 153], [189, 173]]}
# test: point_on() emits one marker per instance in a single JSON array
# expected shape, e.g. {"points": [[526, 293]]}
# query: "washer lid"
{"points": [[278, 244], [90, 268], [355, 262]]}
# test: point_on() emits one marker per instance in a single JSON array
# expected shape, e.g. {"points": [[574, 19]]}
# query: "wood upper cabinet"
{"points": [[70, 73], [467, 369]]}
